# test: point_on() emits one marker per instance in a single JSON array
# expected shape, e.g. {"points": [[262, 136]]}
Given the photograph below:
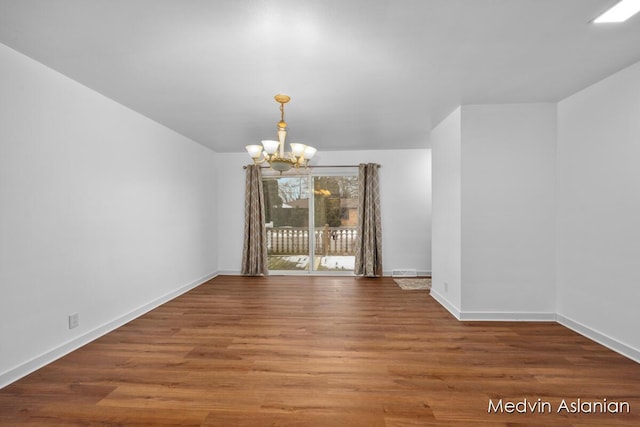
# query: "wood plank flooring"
{"points": [[321, 351]]}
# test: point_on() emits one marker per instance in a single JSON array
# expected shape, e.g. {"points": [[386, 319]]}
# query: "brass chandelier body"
{"points": [[273, 152]]}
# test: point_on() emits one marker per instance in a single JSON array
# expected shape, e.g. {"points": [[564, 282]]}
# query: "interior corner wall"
{"points": [[446, 213], [508, 211], [104, 213], [598, 236], [405, 193], [231, 188]]}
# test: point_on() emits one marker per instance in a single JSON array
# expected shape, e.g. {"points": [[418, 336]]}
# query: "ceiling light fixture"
{"points": [[273, 151], [619, 12]]}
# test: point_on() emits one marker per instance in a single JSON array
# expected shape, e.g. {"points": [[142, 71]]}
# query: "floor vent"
{"points": [[407, 272]]}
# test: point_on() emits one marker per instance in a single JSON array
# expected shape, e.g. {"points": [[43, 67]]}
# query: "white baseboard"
{"points": [[507, 316], [229, 273], [455, 311], [600, 338], [38, 362]]}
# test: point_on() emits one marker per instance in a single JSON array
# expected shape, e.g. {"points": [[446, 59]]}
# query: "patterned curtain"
{"points": [[369, 235], [254, 251]]}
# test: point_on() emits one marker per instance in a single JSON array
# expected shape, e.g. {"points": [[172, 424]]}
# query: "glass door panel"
{"points": [[287, 218], [335, 218]]}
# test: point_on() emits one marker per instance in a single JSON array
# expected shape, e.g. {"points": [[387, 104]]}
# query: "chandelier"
{"points": [[273, 151]]}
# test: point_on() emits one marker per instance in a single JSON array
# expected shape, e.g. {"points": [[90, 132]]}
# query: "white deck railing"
{"points": [[295, 240]]}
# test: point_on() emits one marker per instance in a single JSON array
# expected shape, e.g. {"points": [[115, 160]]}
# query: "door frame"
{"points": [[309, 173]]}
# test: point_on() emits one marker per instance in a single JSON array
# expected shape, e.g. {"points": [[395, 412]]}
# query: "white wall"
{"points": [[446, 141], [405, 186], [230, 193], [103, 213], [494, 211], [598, 281], [508, 210]]}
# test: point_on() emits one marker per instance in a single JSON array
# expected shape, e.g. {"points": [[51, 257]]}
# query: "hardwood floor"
{"points": [[322, 351]]}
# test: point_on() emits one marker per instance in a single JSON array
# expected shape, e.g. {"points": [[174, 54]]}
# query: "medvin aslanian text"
{"points": [[570, 406]]}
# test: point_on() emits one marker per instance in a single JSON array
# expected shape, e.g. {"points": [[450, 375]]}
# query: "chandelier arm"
{"points": [[259, 161]]}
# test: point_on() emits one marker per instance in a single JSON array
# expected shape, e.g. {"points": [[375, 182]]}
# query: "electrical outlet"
{"points": [[446, 287], [74, 321]]}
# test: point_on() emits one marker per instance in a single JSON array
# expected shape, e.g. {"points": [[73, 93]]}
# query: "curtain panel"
{"points": [[368, 246], [254, 251]]}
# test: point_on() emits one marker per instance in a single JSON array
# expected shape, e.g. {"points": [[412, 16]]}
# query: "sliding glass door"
{"points": [[311, 222]]}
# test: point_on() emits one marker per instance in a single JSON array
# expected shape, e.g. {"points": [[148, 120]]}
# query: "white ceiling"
{"points": [[362, 74]]}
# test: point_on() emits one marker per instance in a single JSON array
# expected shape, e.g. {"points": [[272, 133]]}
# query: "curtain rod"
{"points": [[322, 166]]}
